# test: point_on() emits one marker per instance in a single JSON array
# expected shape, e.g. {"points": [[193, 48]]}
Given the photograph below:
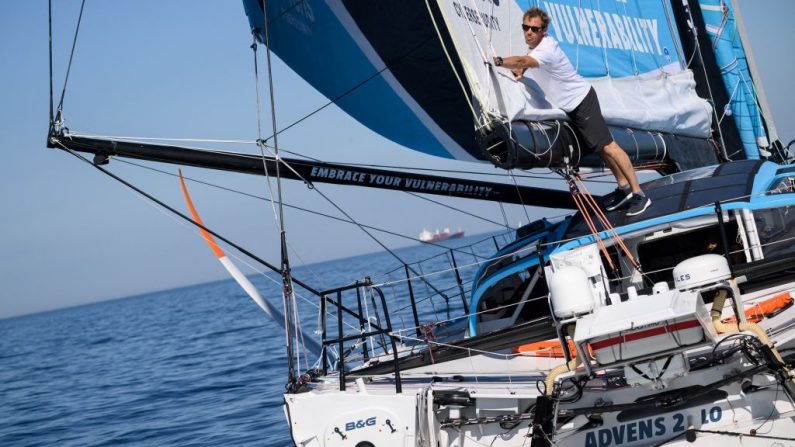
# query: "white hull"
{"points": [[361, 416], [496, 394]]}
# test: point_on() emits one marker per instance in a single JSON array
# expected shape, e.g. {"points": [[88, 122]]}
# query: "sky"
{"points": [[184, 69]]}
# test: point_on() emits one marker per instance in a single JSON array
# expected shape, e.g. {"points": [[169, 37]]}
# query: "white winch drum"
{"points": [[570, 292], [701, 271]]}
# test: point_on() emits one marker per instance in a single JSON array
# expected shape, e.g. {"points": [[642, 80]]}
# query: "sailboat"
{"points": [[595, 329]]}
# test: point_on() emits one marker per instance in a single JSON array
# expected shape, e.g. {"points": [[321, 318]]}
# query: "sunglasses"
{"points": [[535, 29]]}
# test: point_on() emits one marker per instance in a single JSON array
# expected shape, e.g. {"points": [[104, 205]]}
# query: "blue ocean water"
{"points": [[200, 365]]}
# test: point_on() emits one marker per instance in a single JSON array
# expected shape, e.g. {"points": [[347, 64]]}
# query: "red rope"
{"points": [[577, 195], [606, 223]]}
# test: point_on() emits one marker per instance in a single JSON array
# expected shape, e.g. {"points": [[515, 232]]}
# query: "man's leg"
{"points": [[611, 164], [619, 164]]}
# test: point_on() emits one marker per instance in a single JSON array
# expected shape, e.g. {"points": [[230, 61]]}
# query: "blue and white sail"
{"points": [[379, 61], [417, 72], [627, 50]]}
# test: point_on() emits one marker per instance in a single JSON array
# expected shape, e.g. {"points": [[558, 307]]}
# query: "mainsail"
{"points": [[417, 72]]}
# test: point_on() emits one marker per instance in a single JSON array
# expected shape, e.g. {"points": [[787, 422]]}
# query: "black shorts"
{"points": [[588, 120]]}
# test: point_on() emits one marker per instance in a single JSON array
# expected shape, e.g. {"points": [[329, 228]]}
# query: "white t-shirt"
{"points": [[562, 84]]}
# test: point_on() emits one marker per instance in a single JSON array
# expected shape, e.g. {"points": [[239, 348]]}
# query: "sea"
{"points": [[198, 365]]}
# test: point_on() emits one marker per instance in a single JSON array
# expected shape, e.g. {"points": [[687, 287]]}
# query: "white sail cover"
{"points": [[627, 49]]}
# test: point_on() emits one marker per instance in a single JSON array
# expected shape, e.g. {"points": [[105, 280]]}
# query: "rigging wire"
{"points": [[457, 209], [387, 66], [259, 130], [306, 210], [521, 199], [355, 222], [52, 112], [189, 220], [71, 57], [173, 214], [135, 139], [504, 215], [287, 292], [280, 161], [183, 216], [697, 51]]}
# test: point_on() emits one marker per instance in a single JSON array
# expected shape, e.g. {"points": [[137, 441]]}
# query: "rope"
{"points": [[607, 225], [487, 67], [697, 50], [581, 206], [631, 44], [452, 66], [724, 19]]}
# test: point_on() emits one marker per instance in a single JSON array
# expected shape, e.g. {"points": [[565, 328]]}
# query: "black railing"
{"points": [[374, 333], [376, 330]]}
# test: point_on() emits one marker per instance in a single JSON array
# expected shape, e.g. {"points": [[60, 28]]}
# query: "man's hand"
{"points": [[518, 73]]}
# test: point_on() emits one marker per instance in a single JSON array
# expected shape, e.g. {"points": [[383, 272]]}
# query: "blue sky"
{"points": [[183, 69]]}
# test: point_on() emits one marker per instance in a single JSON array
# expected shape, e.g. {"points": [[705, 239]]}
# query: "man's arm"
{"points": [[516, 62]]}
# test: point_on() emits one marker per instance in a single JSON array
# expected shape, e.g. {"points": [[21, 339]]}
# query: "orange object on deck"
{"points": [[767, 308], [546, 348]]}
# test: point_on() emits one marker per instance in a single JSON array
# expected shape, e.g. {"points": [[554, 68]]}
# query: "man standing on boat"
{"points": [[575, 96]]}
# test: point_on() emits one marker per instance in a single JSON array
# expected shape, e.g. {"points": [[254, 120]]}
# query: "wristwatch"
{"points": [[498, 61]]}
